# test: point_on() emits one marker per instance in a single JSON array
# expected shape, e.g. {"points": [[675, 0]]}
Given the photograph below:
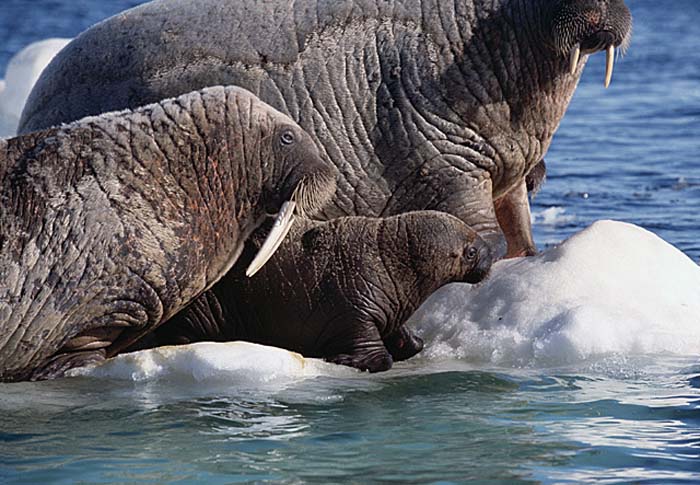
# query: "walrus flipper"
{"points": [[513, 213], [403, 344], [366, 353], [469, 198], [59, 365], [536, 178]]}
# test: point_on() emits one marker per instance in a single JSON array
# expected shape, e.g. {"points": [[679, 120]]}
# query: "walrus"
{"points": [[436, 104], [353, 284], [112, 224]]}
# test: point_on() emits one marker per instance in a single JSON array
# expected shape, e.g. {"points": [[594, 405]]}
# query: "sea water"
{"points": [[579, 365]]}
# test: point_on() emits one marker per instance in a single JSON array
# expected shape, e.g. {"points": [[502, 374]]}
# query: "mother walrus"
{"points": [[111, 225], [433, 104]]}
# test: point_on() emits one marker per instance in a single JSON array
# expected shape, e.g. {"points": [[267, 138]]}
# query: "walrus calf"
{"points": [[351, 285], [111, 225]]}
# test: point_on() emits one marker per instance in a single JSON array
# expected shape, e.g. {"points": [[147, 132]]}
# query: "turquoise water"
{"points": [[631, 153], [618, 419]]}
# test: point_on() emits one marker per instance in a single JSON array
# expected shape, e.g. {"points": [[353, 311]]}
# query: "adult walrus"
{"points": [[432, 104], [112, 224], [354, 283]]}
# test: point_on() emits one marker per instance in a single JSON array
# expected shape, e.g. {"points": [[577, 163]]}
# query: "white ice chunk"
{"points": [[613, 288], [22, 72], [236, 363]]}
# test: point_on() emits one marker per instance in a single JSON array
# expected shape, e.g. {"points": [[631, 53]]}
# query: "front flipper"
{"points": [[513, 212], [366, 353], [62, 363], [403, 344]]}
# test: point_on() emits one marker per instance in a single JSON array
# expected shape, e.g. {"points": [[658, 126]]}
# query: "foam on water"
{"points": [[23, 70], [552, 216], [613, 288]]}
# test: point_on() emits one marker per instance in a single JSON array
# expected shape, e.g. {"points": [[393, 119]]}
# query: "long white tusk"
{"points": [[574, 57], [283, 223], [609, 65]]}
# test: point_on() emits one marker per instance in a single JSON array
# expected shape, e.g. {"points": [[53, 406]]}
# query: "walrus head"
{"points": [[308, 183], [581, 27], [443, 249]]}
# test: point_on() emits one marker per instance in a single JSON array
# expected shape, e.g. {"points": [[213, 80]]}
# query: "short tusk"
{"points": [[574, 57], [609, 65], [283, 223]]}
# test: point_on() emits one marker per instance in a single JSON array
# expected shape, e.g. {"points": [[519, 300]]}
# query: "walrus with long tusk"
{"points": [[112, 224]]}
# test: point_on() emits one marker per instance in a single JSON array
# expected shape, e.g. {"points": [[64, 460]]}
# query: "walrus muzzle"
{"points": [[311, 194]]}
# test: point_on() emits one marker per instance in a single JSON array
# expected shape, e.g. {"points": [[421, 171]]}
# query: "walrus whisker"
{"points": [[280, 228]]}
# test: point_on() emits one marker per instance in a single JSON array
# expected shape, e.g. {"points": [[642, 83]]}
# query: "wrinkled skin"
{"points": [[342, 290], [421, 105], [436, 104], [111, 225]]}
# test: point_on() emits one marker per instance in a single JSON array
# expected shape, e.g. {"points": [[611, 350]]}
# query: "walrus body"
{"points": [[110, 225], [353, 284]]}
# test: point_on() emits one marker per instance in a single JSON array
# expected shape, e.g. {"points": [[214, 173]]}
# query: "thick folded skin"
{"points": [[352, 285], [111, 225]]}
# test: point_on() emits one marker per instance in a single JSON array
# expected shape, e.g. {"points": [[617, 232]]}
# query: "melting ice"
{"points": [[613, 288]]}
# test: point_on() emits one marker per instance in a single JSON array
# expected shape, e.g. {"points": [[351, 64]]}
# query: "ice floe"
{"points": [[240, 363], [613, 288]]}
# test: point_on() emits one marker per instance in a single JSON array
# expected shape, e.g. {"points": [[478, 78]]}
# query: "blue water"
{"points": [[630, 153]]}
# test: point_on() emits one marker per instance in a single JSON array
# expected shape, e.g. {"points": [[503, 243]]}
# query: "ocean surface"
{"points": [[629, 415]]}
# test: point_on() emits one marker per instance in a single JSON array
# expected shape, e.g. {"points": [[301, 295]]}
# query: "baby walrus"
{"points": [[112, 224], [353, 284]]}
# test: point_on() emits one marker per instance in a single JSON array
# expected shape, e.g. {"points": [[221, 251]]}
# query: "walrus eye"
{"points": [[287, 137], [471, 253]]}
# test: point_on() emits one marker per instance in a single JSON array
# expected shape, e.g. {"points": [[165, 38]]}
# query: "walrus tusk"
{"points": [[610, 64], [282, 225], [574, 57]]}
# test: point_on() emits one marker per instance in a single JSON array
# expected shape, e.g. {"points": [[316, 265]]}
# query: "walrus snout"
{"points": [[310, 180], [581, 27], [315, 189]]}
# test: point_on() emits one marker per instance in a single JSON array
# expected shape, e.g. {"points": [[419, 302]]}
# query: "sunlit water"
{"points": [[630, 153]]}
